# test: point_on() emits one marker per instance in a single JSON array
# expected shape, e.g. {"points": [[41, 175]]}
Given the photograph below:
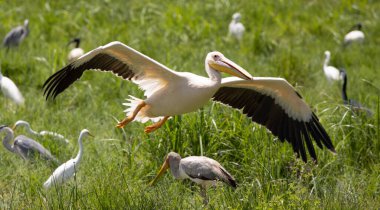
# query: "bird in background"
{"points": [[69, 168], [199, 169], [236, 28], [10, 90], [354, 105], [76, 52], [16, 35], [22, 123], [331, 73], [24, 146], [355, 35], [269, 101]]}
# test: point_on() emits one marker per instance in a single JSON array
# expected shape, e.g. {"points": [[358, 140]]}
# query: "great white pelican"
{"points": [[269, 101]]}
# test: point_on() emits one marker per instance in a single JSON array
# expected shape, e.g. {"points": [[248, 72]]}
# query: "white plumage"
{"points": [[10, 90], [272, 102], [69, 168], [331, 72], [76, 52], [236, 28], [355, 35]]}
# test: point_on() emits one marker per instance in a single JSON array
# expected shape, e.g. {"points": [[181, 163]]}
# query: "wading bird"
{"points": [[272, 102], [10, 90], [16, 35], [76, 52], [68, 169], [199, 169], [41, 133], [236, 28], [23, 146], [331, 72], [354, 105], [355, 35]]}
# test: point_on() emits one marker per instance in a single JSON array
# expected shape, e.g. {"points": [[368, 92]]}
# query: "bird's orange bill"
{"points": [[14, 127], [227, 66], [163, 169]]}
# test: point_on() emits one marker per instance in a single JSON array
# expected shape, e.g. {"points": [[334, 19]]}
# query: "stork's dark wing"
{"points": [[114, 57], [274, 103]]}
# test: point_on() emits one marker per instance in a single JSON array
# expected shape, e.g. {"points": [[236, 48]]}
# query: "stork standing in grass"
{"points": [[355, 35], [199, 169], [269, 101]]}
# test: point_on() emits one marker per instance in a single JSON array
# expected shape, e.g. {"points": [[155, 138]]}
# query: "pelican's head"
{"points": [[236, 17], [20, 123], [171, 157], [218, 62]]}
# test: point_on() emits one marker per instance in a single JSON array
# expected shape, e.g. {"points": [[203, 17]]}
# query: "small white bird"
{"points": [[355, 35], [76, 52], [331, 72], [41, 133], [236, 28], [68, 169], [10, 90], [16, 35]]}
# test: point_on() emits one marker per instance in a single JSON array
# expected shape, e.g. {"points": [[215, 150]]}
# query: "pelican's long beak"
{"points": [[225, 65], [163, 169]]}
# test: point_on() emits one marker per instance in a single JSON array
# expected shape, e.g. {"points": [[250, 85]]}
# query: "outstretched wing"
{"points": [[274, 103], [114, 57]]}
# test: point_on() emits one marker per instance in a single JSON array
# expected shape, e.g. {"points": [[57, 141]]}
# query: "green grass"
{"points": [[283, 39]]}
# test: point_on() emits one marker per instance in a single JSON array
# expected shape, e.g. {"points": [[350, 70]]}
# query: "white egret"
{"points": [[41, 133], [272, 102], [76, 52], [16, 35], [236, 28], [355, 35], [68, 169], [331, 73], [199, 169], [354, 105], [10, 90], [23, 146]]}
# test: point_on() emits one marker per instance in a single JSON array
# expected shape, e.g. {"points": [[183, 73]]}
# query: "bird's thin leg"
{"points": [[204, 195], [131, 117], [156, 125]]}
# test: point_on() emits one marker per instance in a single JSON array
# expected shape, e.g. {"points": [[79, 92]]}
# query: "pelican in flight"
{"points": [[75, 52], [25, 124], [16, 35], [199, 169], [23, 146], [236, 28], [269, 101], [355, 35], [331, 73]]}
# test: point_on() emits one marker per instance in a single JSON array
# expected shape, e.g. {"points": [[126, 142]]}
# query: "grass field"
{"points": [[283, 39]]}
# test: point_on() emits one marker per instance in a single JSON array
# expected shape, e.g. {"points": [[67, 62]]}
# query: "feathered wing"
{"points": [[26, 145], [274, 103], [11, 91], [204, 168], [117, 58]]}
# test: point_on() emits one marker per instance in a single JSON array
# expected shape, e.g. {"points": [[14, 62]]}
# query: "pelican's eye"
{"points": [[216, 57]]}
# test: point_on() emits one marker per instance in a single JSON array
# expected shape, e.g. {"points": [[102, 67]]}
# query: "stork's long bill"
{"points": [[225, 65], [163, 169]]}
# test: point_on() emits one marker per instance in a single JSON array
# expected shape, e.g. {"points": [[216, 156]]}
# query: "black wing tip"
{"points": [[232, 183]]}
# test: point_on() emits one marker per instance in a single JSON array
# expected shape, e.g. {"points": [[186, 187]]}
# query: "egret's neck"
{"points": [[327, 60], [174, 168], [7, 139], [214, 75], [80, 153], [30, 130]]}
